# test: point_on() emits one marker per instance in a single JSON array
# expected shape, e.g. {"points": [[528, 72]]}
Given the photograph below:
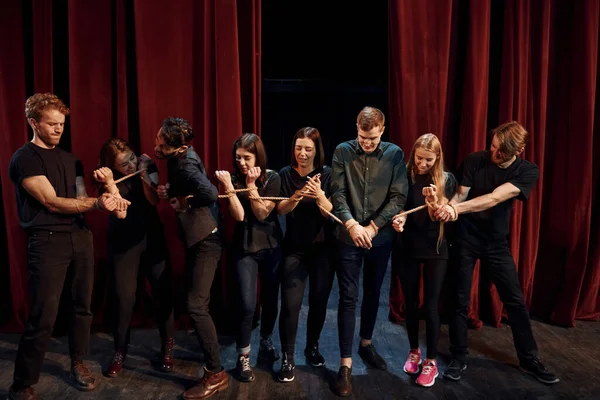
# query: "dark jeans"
{"points": [[348, 272], [499, 265], [297, 267], [151, 254], [434, 271], [50, 256], [265, 264], [201, 261]]}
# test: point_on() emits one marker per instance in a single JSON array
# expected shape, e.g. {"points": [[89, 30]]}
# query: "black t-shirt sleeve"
{"points": [[450, 185], [286, 186], [326, 181], [525, 179], [467, 170], [79, 170], [273, 185], [25, 165]]}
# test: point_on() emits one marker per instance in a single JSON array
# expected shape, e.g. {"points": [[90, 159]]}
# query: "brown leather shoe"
{"points": [[82, 377], [23, 394], [210, 384], [343, 384], [167, 355], [116, 365]]}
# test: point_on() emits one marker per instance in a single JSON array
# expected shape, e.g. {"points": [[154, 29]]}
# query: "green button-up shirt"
{"points": [[368, 187]]}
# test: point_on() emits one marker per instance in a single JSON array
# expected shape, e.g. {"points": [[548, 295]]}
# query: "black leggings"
{"points": [[409, 270]]}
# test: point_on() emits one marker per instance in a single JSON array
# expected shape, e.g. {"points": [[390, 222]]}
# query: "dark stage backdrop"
{"points": [[122, 66], [460, 68]]}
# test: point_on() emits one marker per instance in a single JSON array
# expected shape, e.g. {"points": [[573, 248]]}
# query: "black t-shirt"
{"points": [[252, 235], [420, 237], [61, 168], [305, 224], [492, 226], [142, 217]]}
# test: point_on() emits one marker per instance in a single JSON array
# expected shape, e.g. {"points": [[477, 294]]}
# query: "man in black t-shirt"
{"points": [[490, 182], [51, 200]]}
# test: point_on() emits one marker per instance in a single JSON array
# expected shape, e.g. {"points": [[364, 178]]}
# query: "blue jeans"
{"points": [[265, 264], [350, 261]]}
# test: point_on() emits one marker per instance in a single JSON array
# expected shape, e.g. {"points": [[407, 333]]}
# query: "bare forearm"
{"points": [[236, 209], [62, 205], [286, 206], [324, 203], [477, 204], [260, 208]]}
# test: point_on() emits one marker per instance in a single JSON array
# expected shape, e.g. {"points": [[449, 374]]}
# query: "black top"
{"points": [[252, 235], [142, 217], [305, 224], [61, 168], [187, 176], [368, 187], [420, 237], [492, 226]]}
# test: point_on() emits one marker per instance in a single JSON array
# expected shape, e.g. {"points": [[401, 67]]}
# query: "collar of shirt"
{"points": [[359, 150]]}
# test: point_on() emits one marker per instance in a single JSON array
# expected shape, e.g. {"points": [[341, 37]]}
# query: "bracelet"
{"points": [[97, 204]]}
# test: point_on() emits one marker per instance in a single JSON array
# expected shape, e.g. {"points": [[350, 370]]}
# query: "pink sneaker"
{"points": [[429, 373], [411, 366]]}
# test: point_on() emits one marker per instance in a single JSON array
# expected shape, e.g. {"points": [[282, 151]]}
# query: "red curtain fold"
{"points": [[535, 62], [131, 64], [13, 128]]}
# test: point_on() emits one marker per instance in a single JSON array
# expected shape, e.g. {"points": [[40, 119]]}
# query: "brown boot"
{"points": [[22, 394], [343, 384], [167, 355], [116, 365], [82, 377], [210, 384]]}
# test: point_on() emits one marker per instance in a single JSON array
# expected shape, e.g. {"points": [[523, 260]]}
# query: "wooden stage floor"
{"points": [[573, 353]]}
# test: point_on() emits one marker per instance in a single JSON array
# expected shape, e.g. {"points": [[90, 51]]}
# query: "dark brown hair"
{"points": [[369, 118], [314, 135], [40, 102], [253, 144], [176, 132]]}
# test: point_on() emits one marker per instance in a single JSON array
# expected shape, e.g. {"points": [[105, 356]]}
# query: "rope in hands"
{"points": [[234, 192]]}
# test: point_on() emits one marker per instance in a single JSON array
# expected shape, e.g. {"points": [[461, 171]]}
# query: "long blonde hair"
{"points": [[431, 143]]}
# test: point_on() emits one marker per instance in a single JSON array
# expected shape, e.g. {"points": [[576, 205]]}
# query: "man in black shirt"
{"points": [[51, 200], [368, 186], [490, 182], [194, 198]]}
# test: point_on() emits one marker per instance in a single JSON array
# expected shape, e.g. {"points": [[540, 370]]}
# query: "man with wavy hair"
{"points": [[51, 200], [490, 182]]}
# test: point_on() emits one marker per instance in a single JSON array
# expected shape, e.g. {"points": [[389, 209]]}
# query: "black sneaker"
{"points": [[454, 370], [369, 354], [343, 382], [243, 368], [313, 356], [537, 369], [287, 370], [268, 348]]}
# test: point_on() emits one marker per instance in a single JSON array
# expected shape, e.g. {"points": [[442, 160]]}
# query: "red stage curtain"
{"points": [[458, 69], [130, 64]]}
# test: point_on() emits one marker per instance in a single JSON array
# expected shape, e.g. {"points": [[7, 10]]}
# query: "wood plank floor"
{"points": [[573, 353]]}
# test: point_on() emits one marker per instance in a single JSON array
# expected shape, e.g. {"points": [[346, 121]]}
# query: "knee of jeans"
{"points": [[197, 305], [349, 300]]}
